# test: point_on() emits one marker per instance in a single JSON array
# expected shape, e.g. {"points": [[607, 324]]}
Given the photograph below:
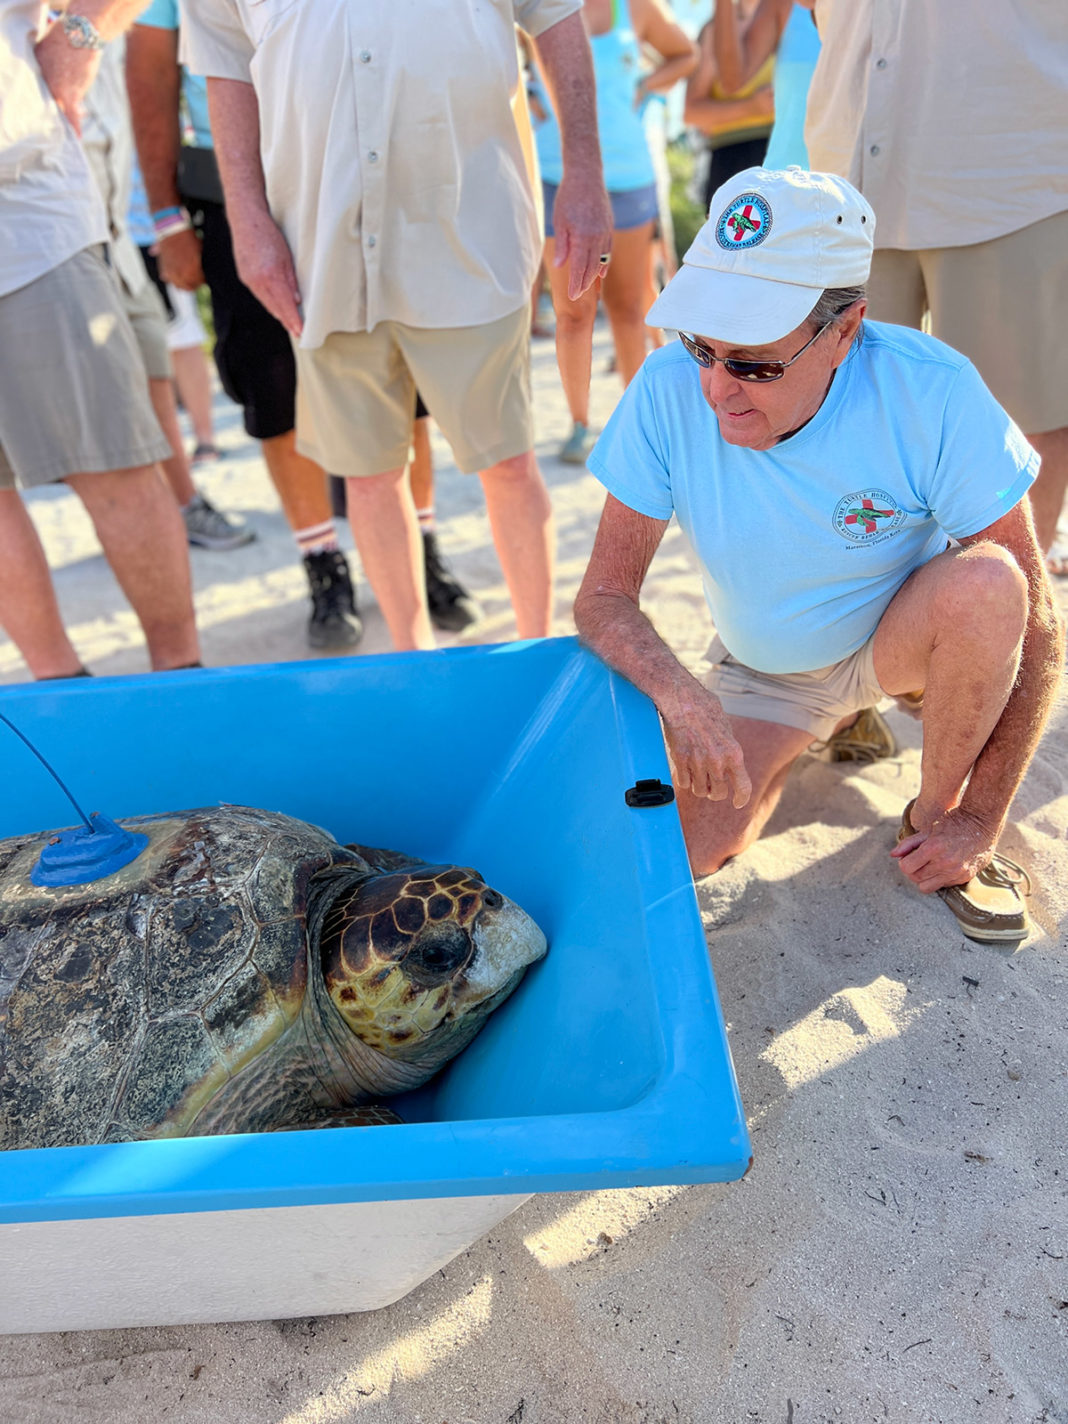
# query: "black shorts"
{"points": [[252, 350]]}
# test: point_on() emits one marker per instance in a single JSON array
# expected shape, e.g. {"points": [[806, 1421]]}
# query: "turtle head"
{"points": [[415, 960]]}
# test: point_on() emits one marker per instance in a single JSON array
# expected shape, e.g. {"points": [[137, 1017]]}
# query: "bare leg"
{"points": [[421, 468], [28, 608], [954, 629], [144, 541], [1047, 492], [176, 466], [574, 337], [714, 830], [384, 525], [193, 379], [521, 517], [625, 296], [300, 482]]}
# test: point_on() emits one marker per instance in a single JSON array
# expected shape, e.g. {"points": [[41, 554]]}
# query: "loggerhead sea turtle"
{"points": [[245, 972]]}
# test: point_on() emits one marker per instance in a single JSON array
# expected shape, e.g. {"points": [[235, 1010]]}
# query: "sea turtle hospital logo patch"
{"points": [[746, 222], [867, 516]]}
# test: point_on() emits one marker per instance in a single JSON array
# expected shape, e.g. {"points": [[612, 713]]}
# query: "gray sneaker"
{"points": [[208, 528]]}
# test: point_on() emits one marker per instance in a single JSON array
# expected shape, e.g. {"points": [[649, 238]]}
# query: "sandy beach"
{"points": [[899, 1249]]}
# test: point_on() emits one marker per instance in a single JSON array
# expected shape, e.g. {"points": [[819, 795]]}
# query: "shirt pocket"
{"points": [[263, 15]]}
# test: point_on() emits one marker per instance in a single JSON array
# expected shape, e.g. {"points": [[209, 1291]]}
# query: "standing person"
{"points": [[186, 336], [392, 232], [108, 143], [736, 121], [618, 31], [785, 29], [971, 195], [252, 350], [818, 464], [74, 403]]}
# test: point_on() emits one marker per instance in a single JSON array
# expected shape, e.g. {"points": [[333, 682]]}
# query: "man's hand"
{"points": [[178, 257], [582, 221], [67, 71], [704, 754], [950, 852], [265, 265]]}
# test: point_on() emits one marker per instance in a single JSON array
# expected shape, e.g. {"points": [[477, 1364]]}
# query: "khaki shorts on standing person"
{"points": [[813, 702], [148, 317], [1002, 303], [73, 394], [356, 394]]}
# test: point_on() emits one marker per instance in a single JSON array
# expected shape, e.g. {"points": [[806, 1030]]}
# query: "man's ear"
{"points": [[848, 329]]}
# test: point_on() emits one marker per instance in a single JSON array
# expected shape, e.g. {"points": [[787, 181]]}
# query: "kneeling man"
{"points": [[820, 464]]}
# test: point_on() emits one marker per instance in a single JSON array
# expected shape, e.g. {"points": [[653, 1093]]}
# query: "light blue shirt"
{"points": [[163, 15], [795, 63], [803, 546]]}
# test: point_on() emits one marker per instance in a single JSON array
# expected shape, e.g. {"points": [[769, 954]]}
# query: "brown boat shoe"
{"points": [[990, 907], [867, 739]]}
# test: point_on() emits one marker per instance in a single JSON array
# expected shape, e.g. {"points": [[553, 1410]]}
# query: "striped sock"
{"points": [[426, 520], [317, 539]]}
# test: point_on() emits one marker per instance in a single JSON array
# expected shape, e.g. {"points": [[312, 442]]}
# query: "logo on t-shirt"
{"points": [[744, 223], [866, 516]]}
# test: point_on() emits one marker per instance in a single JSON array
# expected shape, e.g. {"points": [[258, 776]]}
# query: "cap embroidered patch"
{"points": [[745, 223]]}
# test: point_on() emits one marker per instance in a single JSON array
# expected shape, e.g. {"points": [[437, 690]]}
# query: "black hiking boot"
{"points": [[450, 605], [334, 622]]}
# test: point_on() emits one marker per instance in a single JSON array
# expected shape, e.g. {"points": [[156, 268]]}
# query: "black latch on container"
{"points": [[650, 793]]}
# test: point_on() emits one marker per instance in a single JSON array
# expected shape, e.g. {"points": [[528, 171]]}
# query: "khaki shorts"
{"points": [[73, 394], [356, 394], [814, 702], [1003, 303], [148, 317]]}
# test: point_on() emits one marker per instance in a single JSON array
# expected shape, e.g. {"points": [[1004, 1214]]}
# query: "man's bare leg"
{"points": [[29, 612], [386, 530], [421, 466], [521, 518], [143, 537], [300, 482], [954, 629], [715, 830], [1047, 492], [176, 466], [193, 379]]}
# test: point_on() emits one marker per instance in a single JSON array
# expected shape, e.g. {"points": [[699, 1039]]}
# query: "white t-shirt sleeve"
{"points": [[214, 42], [985, 465], [630, 459]]}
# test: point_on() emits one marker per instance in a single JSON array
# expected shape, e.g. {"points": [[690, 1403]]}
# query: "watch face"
{"points": [[81, 32]]}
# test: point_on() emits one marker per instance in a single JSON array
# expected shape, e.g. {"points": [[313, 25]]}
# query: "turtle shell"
{"points": [[125, 1004]]}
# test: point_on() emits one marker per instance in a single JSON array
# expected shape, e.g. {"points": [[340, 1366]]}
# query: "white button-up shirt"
{"points": [[950, 116], [390, 151], [49, 208], [107, 138]]}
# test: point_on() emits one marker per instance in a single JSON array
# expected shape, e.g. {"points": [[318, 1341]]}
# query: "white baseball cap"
{"points": [[772, 243]]}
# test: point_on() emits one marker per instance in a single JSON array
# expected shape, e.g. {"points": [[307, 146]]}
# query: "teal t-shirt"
{"points": [[803, 546], [163, 15]]}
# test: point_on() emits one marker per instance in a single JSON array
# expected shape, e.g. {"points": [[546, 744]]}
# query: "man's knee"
{"points": [[516, 467], [987, 589]]}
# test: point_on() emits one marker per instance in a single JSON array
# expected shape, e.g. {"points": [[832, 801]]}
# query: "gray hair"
{"points": [[834, 303]]}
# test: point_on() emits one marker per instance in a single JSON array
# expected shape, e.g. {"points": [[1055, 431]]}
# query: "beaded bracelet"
{"points": [[169, 221]]}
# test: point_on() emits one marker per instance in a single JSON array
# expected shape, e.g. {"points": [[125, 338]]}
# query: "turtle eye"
{"points": [[492, 900], [437, 952]]}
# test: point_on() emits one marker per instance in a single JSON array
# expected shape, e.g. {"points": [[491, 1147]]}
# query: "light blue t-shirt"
{"points": [[803, 546], [164, 15], [795, 64]]}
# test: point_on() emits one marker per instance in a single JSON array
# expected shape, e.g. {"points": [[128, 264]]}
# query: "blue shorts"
{"points": [[630, 209]]}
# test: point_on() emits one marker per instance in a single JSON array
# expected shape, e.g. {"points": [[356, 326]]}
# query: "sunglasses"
{"points": [[745, 370]]}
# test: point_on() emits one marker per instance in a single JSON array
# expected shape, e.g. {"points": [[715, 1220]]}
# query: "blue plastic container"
{"points": [[608, 1068]]}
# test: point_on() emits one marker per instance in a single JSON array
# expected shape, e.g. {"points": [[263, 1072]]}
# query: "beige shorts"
{"points": [[814, 702], [356, 394], [73, 394], [148, 317], [1003, 303]]}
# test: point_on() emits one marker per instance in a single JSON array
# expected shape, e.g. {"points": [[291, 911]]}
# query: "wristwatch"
{"points": [[82, 33]]}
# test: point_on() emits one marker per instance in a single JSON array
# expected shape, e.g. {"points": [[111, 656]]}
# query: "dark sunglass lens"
{"points": [[755, 370]]}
